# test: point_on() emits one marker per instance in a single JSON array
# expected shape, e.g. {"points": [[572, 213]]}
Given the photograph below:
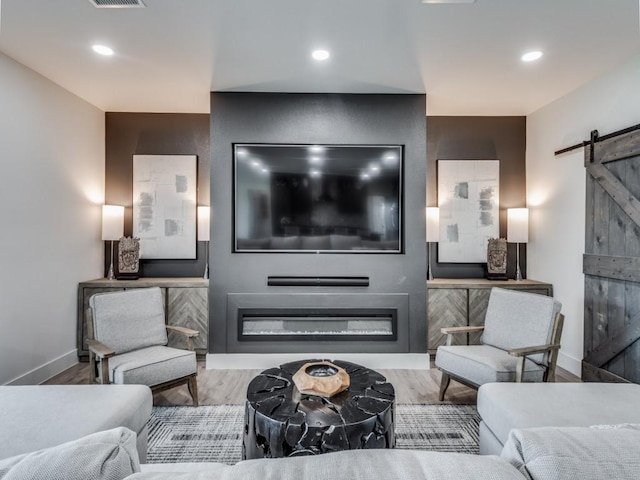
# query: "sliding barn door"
{"points": [[612, 261]]}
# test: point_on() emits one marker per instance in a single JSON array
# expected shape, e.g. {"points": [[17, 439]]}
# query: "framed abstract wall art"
{"points": [[469, 200], [164, 205]]}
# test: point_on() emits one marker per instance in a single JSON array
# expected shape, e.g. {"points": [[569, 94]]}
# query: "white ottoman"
{"points": [[42, 416], [504, 406]]}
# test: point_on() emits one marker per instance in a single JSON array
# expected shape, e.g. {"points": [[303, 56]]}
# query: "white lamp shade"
{"points": [[203, 223], [433, 224], [518, 225], [112, 222]]}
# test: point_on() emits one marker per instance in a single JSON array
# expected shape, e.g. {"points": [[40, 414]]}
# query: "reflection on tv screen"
{"points": [[320, 198]]}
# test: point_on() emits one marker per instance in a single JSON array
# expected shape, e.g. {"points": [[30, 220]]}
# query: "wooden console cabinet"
{"points": [[186, 305], [458, 302]]}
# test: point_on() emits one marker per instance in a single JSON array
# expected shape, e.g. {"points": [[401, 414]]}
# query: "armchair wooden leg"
{"points": [[92, 368], [104, 371], [192, 385], [444, 384]]}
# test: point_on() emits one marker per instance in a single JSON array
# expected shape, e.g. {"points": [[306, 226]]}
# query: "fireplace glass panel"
{"points": [[338, 324]]}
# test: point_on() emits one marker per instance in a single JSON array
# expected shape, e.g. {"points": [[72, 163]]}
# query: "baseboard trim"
{"points": [[44, 372], [377, 361], [570, 364]]}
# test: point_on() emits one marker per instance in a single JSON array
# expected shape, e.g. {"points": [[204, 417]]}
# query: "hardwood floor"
{"points": [[217, 387]]}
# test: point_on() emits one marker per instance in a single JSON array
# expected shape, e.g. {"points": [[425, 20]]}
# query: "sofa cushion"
{"points": [[152, 366], [34, 417], [504, 406], [356, 465], [551, 453], [108, 455], [530, 327], [130, 319], [482, 364]]}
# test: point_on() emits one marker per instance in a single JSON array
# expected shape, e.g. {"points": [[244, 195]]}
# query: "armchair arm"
{"points": [[104, 353], [451, 331], [100, 349], [526, 351], [187, 332]]}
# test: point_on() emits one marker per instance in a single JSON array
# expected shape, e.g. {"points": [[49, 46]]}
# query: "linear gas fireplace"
{"points": [[367, 324], [341, 322]]}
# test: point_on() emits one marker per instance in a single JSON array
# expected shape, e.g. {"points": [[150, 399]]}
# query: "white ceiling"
{"points": [[170, 55]]}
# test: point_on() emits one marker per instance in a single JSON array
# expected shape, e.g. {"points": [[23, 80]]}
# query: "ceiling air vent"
{"points": [[117, 3]]}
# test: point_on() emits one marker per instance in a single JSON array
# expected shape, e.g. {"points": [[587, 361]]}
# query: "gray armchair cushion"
{"points": [[558, 453], [152, 366], [519, 319], [129, 320], [480, 364], [107, 455]]}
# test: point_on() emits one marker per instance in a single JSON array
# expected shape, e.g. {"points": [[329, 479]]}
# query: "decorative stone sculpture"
{"points": [[129, 258], [324, 379], [497, 259]]}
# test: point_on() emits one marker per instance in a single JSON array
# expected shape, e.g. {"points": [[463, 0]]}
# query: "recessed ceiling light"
{"points": [[320, 55], [102, 50], [531, 56], [316, 148]]}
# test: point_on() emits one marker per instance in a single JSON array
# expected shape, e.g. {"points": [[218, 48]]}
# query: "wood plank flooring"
{"points": [[216, 387]]}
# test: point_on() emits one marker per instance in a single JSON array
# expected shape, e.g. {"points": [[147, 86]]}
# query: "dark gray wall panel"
{"points": [[480, 138], [323, 119], [128, 134]]}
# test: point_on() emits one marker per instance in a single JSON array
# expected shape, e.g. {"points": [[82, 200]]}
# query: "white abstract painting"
{"points": [[164, 205], [468, 198]]}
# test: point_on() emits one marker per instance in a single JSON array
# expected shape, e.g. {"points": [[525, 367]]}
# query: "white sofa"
{"points": [[39, 416], [550, 453], [507, 406], [541, 453]]}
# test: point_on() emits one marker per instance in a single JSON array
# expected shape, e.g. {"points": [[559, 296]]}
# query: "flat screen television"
{"points": [[318, 198]]}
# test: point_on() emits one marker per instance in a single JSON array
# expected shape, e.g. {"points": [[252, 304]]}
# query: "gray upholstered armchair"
{"points": [[520, 342], [128, 342]]}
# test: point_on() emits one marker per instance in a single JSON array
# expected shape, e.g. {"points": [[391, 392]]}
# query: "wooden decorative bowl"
{"points": [[321, 378]]}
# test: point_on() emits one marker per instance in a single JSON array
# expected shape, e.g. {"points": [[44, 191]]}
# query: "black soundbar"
{"points": [[318, 281]]}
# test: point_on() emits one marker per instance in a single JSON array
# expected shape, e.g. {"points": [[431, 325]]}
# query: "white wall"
{"points": [[52, 185], [556, 188]]}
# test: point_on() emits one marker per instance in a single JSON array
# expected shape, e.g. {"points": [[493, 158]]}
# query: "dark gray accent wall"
{"points": [[317, 119], [128, 134], [480, 138]]}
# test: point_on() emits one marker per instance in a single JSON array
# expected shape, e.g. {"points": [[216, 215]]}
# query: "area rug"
{"points": [[214, 433]]}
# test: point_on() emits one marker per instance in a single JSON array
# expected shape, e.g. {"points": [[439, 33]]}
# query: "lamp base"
{"points": [[111, 275], [518, 271], [429, 269]]}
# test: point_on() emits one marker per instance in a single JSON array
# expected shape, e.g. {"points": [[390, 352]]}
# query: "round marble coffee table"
{"points": [[282, 422]]}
